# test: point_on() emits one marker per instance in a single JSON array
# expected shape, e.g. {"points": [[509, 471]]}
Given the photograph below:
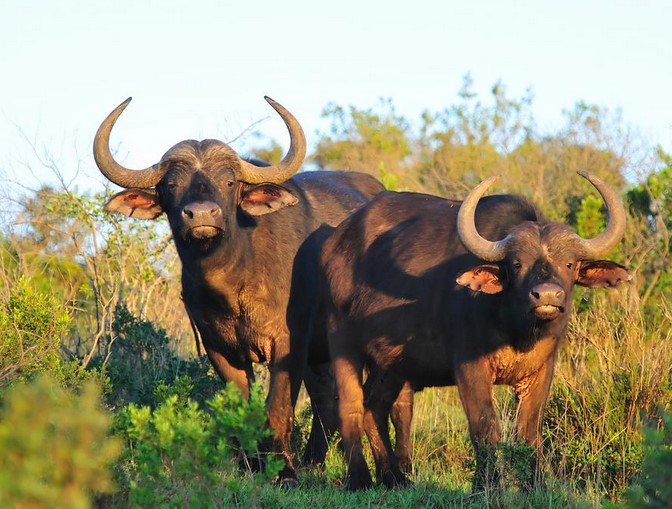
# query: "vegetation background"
{"points": [[105, 401]]}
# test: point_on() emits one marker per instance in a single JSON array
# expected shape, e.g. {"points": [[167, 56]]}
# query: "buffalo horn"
{"points": [[292, 161], [599, 246], [466, 227], [115, 172]]}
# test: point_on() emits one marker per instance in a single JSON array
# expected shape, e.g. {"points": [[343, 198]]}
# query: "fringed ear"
{"points": [[483, 278], [266, 198], [138, 203], [601, 274]]}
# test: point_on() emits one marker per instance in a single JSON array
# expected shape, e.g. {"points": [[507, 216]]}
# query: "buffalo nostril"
{"points": [[188, 213], [215, 211], [548, 294]]}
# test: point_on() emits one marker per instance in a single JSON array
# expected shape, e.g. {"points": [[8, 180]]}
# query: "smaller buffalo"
{"points": [[432, 292]]}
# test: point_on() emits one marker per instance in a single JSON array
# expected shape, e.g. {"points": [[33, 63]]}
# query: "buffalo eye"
{"points": [[517, 265], [230, 183], [171, 185], [570, 265]]}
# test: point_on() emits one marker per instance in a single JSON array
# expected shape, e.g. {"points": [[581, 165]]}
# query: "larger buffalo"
{"points": [[249, 251], [429, 296]]}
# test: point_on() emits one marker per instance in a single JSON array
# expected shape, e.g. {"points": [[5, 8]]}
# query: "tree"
{"points": [[373, 140]]}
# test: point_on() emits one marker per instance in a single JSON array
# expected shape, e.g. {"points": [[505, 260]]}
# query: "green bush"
{"points": [[144, 369], [31, 326], [55, 448], [654, 487], [181, 455]]}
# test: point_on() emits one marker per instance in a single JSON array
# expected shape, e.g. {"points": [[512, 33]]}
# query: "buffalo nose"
{"points": [[201, 210], [548, 294]]}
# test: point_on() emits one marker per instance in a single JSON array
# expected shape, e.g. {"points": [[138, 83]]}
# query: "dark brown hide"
{"points": [[249, 256], [409, 300]]}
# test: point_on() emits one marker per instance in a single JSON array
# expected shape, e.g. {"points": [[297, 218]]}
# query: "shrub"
{"points": [[143, 368], [55, 448], [654, 487], [31, 326], [180, 455]]}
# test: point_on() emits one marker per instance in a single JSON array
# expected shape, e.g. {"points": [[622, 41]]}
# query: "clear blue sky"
{"points": [[200, 69]]}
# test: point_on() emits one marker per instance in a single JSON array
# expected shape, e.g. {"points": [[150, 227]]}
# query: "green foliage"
{"points": [[143, 368], [180, 455], [271, 154], [31, 327], [603, 390], [651, 200], [371, 140], [590, 220], [612, 372], [242, 423], [653, 489], [55, 446], [387, 178]]}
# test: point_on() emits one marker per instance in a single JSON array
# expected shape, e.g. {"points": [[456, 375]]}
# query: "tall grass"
{"points": [[612, 379]]}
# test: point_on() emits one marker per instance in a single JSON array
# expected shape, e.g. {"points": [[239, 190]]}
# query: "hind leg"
{"points": [[351, 414], [381, 391], [321, 387], [401, 416]]}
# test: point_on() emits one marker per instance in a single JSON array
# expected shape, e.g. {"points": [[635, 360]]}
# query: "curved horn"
{"points": [[613, 233], [292, 161], [466, 227], [112, 169]]}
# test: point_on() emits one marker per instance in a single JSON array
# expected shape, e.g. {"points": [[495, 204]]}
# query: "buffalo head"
{"points": [[201, 185], [539, 262]]}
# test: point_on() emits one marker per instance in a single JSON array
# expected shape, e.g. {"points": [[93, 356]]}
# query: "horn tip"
{"points": [[589, 176], [486, 183]]}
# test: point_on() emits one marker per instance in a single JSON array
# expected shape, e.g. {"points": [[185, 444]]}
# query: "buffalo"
{"points": [[249, 250], [426, 291]]}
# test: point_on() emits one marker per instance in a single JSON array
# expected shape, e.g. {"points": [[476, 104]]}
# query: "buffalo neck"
{"points": [[221, 267]]}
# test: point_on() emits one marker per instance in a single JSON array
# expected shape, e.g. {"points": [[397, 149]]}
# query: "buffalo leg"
{"points": [[320, 385], [530, 408], [381, 391], [351, 414], [285, 380], [475, 392], [401, 416], [242, 378]]}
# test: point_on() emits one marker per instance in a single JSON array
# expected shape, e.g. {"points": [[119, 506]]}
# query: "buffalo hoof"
{"points": [[358, 484], [287, 478], [358, 479], [405, 464], [288, 483], [392, 480]]}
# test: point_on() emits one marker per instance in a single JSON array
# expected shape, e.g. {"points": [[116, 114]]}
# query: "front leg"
{"points": [[474, 383], [531, 394], [242, 378], [285, 381]]}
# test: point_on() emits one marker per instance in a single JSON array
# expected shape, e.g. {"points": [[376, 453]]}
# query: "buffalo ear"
{"points": [[602, 273], [265, 198], [138, 203], [482, 278]]}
